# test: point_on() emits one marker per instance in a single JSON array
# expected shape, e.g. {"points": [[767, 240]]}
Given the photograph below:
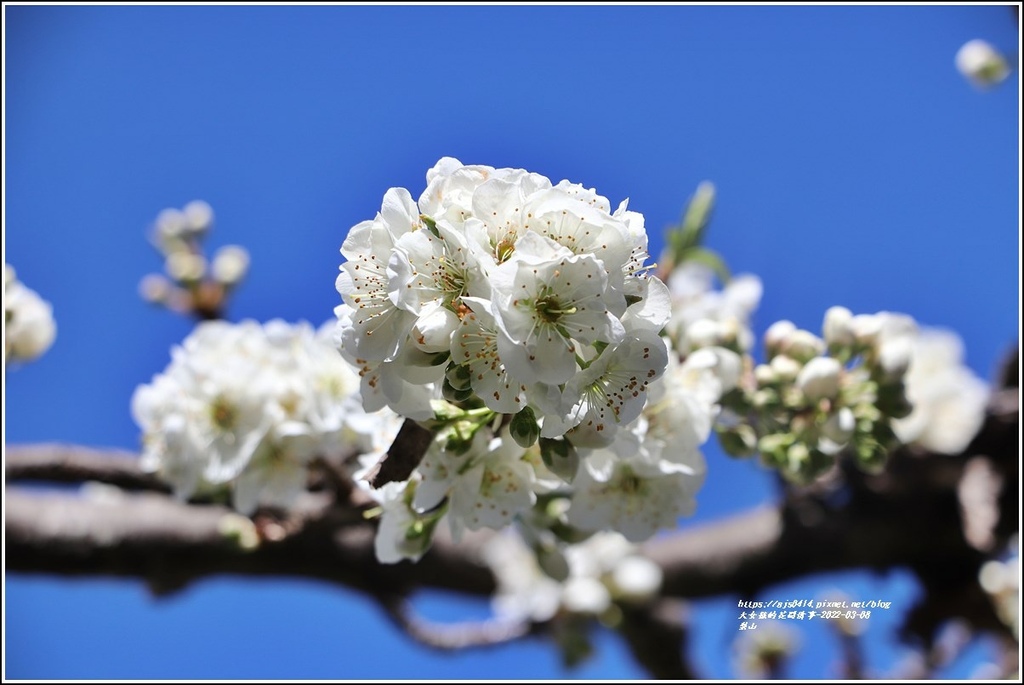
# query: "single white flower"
{"points": [[547, 299], [611, 392], [475, 344], [378, 326]]}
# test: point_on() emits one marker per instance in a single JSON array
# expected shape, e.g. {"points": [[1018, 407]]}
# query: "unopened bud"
{"points": [[230, 264], [784, 368], [819, 379], [155, 289], [776, 335], [764, 375], [552, 562], [803, 345], [866, 329], [894, 357], [185, 267], [585, 595], [240, 531], [171, 223], [524, 428], [458, 376], [738, 441], [840, 426], [981, 64], [636, 579], [703, 333], [836, 327], [198, 217], [560, 457]]}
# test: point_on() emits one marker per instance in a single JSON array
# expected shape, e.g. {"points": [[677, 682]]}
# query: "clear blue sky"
{"points": [[854, 166]]}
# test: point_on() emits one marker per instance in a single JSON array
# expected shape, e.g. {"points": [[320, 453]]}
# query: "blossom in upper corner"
{"points": [[248, 406], [981, 64], [29, 328], [948, 399]]}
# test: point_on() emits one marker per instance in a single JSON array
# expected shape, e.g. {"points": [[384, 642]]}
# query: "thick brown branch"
{"points": [[58, 463], [169, 544]]}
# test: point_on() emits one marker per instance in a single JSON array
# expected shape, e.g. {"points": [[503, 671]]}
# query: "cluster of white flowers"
{"points": [[29, 328], [870, 382], [948, 398], [517, 318], [703, 316], [248, 406], [587, 578]]}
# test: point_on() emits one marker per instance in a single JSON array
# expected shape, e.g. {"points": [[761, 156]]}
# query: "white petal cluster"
{"points": [[522, 283], [603, 569], [948, 399], [649, 476], [516, 317], [248, 406], [703, 316], [29, 328]]}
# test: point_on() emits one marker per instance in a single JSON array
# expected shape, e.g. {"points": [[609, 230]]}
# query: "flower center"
{"points": [[550, 310]]}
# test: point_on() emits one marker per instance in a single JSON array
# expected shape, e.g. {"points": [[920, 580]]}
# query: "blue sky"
{"points": [[854, 166]]}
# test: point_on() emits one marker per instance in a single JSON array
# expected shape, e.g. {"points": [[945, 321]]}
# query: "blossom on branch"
{"points": [[29, 328], [248, 407]]}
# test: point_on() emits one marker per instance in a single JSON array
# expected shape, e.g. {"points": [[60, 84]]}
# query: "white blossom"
{"points": [[694, 298], [248, 406], [29, 328], [948, 399]]}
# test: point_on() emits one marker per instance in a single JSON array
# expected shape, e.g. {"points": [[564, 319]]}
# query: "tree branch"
{"points": [[59, 463], [914, 514]]}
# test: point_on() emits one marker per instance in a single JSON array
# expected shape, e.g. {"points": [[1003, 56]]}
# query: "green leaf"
{"points": [[705, 256]]}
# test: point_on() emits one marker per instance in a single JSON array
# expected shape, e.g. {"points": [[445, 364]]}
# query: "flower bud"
{"points": [[560, 457], [185, 267], [840, 426], [585, 595], [240, 531], [155, 289], [635, 579], [198, 217], [552, 562], [776, 335], [894, 357], [738, 441], [703, 333], [981, 64], [785, 368], [458, 376], [819, 379], [764, 374], [836, 327], [524, 428], [803, 345], [230, 264], [866, 328]]}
